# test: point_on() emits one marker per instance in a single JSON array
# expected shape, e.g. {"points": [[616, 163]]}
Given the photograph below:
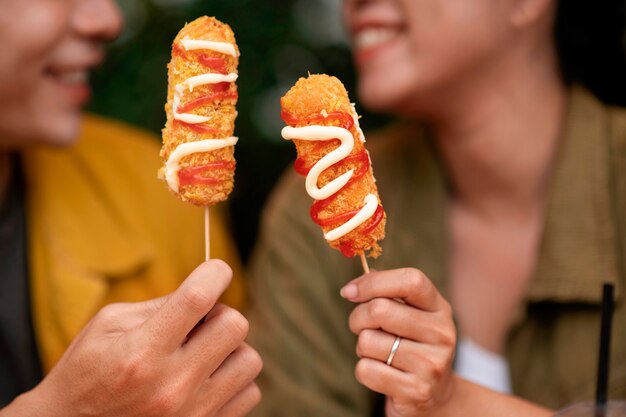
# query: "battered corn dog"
{"points": [[331, 153], [198, 146]]}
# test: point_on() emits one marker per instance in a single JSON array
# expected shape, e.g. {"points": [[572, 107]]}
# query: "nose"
{"points": [[351, 6], [356, 3], [98, 19]]}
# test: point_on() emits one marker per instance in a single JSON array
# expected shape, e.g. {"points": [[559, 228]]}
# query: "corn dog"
{"points": [[323, 125], [198, 146]]}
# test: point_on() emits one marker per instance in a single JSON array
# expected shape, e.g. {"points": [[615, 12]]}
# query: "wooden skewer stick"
{"points": [[207, 234], [366, 267]]}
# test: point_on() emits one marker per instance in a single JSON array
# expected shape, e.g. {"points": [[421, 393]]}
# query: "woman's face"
{"points": [[409, 50], [48, 48]]}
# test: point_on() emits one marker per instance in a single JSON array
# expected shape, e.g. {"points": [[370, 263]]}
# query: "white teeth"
{"points": [[73, 77], [371, 37]]}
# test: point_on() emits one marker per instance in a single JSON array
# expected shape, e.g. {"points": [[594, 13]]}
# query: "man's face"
{"points": [[47, 49]]}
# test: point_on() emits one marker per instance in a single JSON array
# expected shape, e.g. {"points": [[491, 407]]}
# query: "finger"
{"points": [[403, 320], [408, 284], [217, 309], [235, 373], [178, 315], [243, 403], [223, 330], [384, 379], [416, 358]]}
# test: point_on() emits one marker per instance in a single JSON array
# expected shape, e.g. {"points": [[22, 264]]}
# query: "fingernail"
{"points": [[349, 291]]}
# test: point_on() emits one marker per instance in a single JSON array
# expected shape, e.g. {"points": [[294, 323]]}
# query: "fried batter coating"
{"points": [[217, 101], [325, 96]]}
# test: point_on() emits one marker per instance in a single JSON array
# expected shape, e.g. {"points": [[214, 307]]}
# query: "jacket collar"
{"points": [[579, 249]]}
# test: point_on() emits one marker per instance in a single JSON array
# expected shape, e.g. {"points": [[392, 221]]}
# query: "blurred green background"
{"points": [[279, 40], [282, 40]]}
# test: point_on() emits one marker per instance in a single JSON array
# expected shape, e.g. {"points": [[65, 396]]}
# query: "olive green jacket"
{"points": [[299, 322]]}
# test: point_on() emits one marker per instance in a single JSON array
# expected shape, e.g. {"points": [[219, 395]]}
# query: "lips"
{"points": [[373, 37], [371, 41], [71, 63], [70, 76], [71, 82]]}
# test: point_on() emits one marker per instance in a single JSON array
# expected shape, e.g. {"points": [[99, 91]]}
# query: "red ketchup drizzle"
{"points": [[217, 64], [193, 175], [319, 205], [196, 127], [346, 120], [363, 161], [347, 248], [220, 87], [376, 219], [219, 91], [300, 163], [207, 99], [218, 94]]}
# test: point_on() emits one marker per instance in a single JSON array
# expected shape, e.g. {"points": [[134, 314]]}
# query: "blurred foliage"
{"points": [[279, 40]]}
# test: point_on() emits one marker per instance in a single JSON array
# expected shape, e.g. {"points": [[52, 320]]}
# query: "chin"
{"points": [[54, 124], [404, 94], [379, 97], [57, 132], [62, 129]]}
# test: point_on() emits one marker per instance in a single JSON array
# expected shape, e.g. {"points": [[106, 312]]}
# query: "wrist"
{"points": [[31, 403], [469, 399], [451, 403], [22, 405]]}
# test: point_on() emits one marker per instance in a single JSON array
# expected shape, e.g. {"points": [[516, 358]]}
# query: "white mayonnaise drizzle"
{"points": [[191, 83], [356, 124], [172, 166], [367, 211], [223, 47], [202, 79], [184, 149], [317, 132]]}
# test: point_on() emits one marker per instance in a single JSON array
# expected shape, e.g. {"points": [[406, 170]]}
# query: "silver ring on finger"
{"points": [[394, 349]]}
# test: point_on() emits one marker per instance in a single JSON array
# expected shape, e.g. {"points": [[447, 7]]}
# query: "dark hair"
{"points": [[590, 40]]}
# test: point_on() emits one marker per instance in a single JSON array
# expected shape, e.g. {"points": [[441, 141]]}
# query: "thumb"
{"points": [[177, 315]]}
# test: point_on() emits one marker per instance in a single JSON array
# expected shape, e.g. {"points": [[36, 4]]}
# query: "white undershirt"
{"points": [[479, 365]]}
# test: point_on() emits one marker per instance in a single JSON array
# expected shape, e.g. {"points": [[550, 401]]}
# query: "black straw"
{"points": [[604, 355]]}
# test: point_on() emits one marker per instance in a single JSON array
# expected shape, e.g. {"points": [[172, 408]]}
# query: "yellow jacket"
{"points": [[103, 229]]}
